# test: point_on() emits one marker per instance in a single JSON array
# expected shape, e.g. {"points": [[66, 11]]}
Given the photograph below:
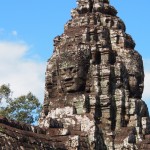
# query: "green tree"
{"points": [[5, 93], [24, 108]]}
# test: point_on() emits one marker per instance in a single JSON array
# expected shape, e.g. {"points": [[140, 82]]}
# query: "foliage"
{"points": [[24, 108], [5, 93]]}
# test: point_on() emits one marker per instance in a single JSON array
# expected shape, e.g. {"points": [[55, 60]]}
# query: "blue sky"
{"points": [[27, 29]]}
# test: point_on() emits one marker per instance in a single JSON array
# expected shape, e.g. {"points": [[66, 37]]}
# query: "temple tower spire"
{"points": [[93, 89], [94, 80], [85, 6]]}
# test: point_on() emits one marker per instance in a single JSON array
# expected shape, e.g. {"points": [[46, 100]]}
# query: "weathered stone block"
{"points": [[93, 89]]}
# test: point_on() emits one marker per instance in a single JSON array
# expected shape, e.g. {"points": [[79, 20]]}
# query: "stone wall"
{"points": [[93, 89]]}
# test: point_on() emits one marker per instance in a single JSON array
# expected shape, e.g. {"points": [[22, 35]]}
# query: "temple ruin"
{"points": [[93, 89]]}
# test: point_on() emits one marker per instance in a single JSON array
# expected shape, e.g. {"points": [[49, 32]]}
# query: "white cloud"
{"points": [[12, 51], [147, 64], [146, 93], [26, 74], [23, 74], [14, 33]]}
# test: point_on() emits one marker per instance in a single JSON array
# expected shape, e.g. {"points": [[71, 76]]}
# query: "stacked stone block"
{"points": [[93, 88]]}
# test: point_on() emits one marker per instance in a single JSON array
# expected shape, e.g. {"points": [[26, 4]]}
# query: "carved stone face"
{"points": [[133, 82], [136, 88], [72, 79], [72, 74]]}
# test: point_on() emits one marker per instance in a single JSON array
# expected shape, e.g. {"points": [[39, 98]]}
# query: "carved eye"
{"points": [[74, 70], [71, 69], [64, 70], [107, 20]]}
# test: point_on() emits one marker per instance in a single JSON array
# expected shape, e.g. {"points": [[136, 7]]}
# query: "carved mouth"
{"points": [[68, 84]]}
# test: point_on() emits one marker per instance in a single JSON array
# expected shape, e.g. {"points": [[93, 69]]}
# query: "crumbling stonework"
{"points": [[94, 84]]}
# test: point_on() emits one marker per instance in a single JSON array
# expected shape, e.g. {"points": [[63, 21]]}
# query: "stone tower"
{"points": [[94, 81], [93, 89]]}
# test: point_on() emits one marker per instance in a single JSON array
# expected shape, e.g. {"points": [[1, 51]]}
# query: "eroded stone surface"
{"points": [[94, 84]]}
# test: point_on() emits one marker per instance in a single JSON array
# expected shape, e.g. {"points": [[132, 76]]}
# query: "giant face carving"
{"points": [[72, 71], [136, 86], [136, 74]]}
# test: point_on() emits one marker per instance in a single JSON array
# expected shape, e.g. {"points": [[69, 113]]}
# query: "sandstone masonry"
{"points": [[94, 84]]}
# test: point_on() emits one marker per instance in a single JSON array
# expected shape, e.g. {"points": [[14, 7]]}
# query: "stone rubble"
{"points": [[94, 84]]}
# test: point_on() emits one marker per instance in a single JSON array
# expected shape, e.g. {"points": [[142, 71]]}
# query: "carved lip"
{"points": [[68, 84]]}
